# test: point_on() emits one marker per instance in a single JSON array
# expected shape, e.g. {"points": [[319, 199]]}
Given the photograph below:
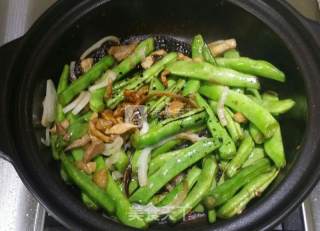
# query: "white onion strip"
{"points": [[114, 147], [99, 44], [49, 104], [46, 141], [145, 128], [74, 103], [84, 101], [143, 166], [150, 209], [103, 82], [220, 107]]}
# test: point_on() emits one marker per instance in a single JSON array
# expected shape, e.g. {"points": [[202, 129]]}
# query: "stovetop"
{"points": [[19, 210]]}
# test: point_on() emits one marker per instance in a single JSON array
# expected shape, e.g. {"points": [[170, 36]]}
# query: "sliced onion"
{"points": [[143, 166], [150, 209], [113, 159], [46, 141], [145, 128], [116, 175], [103, 82], [49, 104], [72, 68], [99, 44], [74, 103], [114, 147], [220, 106], [84, 101]]}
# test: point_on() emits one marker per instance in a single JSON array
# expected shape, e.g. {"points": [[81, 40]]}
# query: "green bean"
{"points": [[232, 126], [256, 94], [117, 86], [278, 107], [228, 149], [228, 188], [146, 76], [259, 116], [54, 148], [135, 159], [64, 176], [85, 117], [161, 103], [208, 72], [253, 67], [124, 212], [85, 80], [100, 163], [62, 85], [77, 130], [142, 50], [123, 209], [253, 189], [274, 149], [60, 116], [242, 155], [122, 162], [207, 55], [87, 186], [167, 146], [77, 154], [160, 160], [197, 46], [191, 87], [168, 129], [63, 81], [72, 118], [256, 154], [199, 208], [256, 134], [233, 53], [157, 198], [133, 185], [212, 216], [198, 191], [169, 170], [88, 202], [189, 180], [156, 85], [96, 100]]}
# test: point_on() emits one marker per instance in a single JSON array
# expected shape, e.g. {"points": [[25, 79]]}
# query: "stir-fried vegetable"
{"points": [[133, 128]]}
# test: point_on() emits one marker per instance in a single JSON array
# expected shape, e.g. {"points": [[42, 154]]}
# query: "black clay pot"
{"points": [[264, 29]]}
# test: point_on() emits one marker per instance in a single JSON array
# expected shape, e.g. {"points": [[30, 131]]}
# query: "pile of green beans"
{"points": [[220, 150]]}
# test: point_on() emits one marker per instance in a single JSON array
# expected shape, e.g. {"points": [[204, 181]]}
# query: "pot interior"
{"points": [[215, 20]]}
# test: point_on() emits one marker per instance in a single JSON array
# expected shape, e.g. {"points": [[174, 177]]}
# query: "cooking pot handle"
{"points": [[7, 53]]}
